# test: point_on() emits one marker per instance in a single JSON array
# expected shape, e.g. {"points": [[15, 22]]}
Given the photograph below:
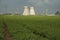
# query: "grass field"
{"points": [[32, 27]]}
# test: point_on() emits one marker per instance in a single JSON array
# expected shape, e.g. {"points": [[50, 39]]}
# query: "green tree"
{"points": [[57, 13]]}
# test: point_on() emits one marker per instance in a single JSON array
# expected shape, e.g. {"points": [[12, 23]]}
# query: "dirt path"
{"points": [[6, 32]]}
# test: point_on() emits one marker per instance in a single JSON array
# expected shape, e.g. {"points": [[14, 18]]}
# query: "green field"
{"points": [[32, 27]]}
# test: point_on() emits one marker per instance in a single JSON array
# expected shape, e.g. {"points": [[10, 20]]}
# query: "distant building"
{"points": [[32, 11], [26, 11], [51, 15]]}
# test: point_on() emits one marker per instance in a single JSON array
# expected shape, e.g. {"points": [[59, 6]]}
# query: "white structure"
{"points": [[26, 11], [51, 15], [32, 12]]}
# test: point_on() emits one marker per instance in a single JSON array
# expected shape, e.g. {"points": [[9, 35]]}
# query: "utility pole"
{"points": [[46, 11], [6, 8], [0, 5]]}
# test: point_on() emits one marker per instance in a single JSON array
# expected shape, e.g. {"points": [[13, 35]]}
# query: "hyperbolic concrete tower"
{"points": [[26, 11], [32, 12]]}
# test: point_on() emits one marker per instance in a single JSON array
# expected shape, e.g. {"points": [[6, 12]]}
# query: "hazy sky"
{"points": [[39, 5]]}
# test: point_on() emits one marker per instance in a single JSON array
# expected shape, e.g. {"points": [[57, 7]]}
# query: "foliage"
{"points": [[33, 27], [57, 13]]}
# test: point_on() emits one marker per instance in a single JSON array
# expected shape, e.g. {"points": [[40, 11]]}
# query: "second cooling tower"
{"points": [[32, 12]]}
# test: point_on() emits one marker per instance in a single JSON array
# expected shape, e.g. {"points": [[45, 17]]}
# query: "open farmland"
{"points": [[31, 27]]}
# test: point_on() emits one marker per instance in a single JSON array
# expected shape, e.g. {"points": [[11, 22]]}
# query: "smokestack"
{"points": [[32, 12], [26, 11]]}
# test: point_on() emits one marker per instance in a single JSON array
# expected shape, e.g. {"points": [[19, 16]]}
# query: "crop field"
{"points": [[31, 27]]}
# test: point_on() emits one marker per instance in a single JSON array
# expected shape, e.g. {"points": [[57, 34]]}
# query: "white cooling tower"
{"points": [[32, 12], [26, 11]]}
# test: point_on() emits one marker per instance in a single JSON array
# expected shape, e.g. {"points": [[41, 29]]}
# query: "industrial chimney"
{"points": [[26, 11], [32, 12]]}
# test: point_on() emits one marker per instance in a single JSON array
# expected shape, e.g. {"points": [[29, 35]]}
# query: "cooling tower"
{"points": [[26, 11], [32, 12]]}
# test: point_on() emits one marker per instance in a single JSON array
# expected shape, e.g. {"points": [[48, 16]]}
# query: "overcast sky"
{"points": [[39, 5]]}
